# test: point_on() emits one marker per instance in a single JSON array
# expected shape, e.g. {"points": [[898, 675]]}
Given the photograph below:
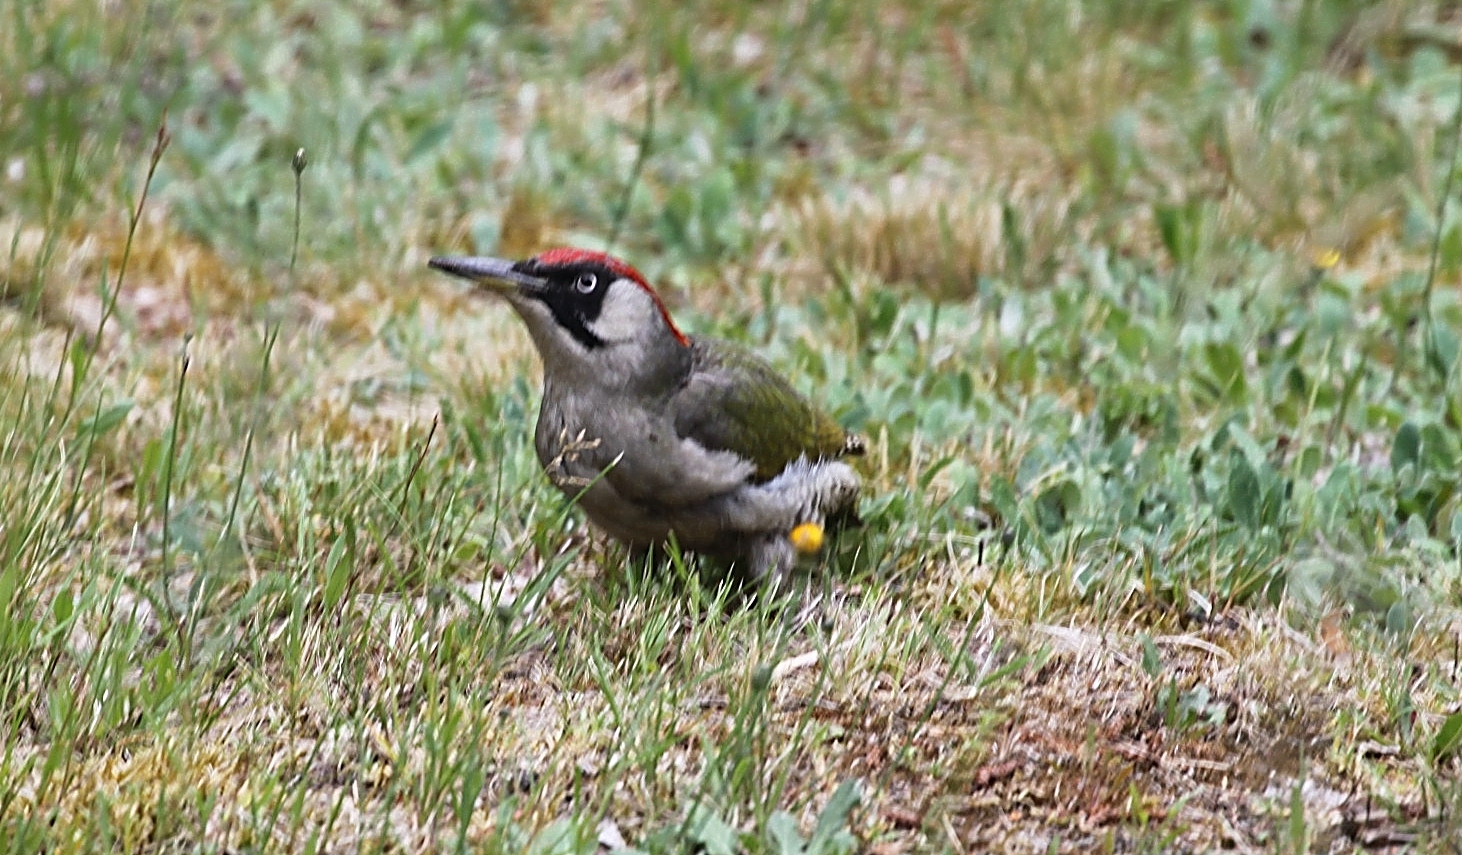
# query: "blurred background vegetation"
{"points": [[1154, 299]]}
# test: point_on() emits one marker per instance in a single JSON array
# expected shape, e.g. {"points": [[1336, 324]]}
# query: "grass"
{"points": [[1149, 311]]}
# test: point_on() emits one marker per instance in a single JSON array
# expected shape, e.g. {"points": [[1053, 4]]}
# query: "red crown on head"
{"points": [[566, 255]]}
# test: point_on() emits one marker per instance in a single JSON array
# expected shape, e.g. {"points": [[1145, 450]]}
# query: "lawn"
{"points": [[1149, 310]]}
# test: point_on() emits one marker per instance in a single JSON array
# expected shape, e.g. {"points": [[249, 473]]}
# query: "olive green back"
{"points": [[735, 401]]}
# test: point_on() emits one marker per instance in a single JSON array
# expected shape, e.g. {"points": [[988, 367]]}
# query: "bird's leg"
{"points": [[771, 557]]}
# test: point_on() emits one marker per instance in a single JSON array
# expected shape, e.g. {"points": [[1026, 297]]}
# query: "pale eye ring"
{"points": [[586, 283]]}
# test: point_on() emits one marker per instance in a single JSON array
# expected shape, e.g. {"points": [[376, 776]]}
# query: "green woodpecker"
{"points": [[659, 434]]}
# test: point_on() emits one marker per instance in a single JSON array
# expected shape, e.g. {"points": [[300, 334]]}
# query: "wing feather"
{"points": [[735, 401]]}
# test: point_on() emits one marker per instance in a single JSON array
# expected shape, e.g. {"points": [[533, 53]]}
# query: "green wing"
{"points": [[734, 401]]}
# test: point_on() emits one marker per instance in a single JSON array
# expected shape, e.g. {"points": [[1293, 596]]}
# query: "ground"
{"points": [[1148, 311]]}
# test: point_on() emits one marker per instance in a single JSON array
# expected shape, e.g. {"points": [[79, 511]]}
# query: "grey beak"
{"points": [[491, 274]]}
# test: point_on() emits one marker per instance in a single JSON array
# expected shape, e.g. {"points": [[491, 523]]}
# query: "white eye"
{"points": [[586, 282]]}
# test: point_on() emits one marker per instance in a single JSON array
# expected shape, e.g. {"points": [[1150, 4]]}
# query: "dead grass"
{"points": [[933, 235], [966, 759]]}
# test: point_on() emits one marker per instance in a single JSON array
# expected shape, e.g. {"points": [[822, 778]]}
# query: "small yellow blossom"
{"points": [[806, 538], [1325, 257]]}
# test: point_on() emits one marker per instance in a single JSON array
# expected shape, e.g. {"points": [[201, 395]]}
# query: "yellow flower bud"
{"points": [[806, 538], [1325, 257]]}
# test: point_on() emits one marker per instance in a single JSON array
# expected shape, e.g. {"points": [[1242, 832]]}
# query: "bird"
{"points": [[660, 436]]}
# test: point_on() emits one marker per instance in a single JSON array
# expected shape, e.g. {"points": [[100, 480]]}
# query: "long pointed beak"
{"points": [[490, 274]]}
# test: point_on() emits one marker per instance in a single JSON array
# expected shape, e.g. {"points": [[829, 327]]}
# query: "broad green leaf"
{"points": [[831, 834], [1441, 352], [712, 833], [1226, 365], [1151, 659], [559, 838], [1400, 620], [63, 607], [783, 834], [429, 140], [472, 782], [1245, 496], [1448, 737], [105, 421], [337, 571], [1406, 448]]}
